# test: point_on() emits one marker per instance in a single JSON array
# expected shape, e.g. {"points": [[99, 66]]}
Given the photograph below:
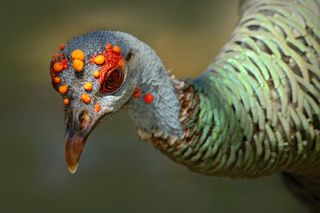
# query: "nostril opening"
{"points": [[84, 119]]}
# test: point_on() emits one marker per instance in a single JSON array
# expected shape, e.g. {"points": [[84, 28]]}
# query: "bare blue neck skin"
{"points": [[162, 115]]}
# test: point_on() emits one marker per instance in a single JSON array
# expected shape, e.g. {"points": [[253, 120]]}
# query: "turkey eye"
{"points": [[112, 81]]}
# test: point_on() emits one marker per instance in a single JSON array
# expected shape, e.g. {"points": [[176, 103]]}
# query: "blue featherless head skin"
{"points": [[96, 74], [99, 72]]}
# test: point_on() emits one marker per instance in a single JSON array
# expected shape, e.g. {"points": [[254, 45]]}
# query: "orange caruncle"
{"points": [[56, 80], [78, 54], [97, 107], [85, 98], [99, 59], [116, 49], [78, 65], [66, 101], [63, 89], [96, 74], [57, 67], [87, 86]]}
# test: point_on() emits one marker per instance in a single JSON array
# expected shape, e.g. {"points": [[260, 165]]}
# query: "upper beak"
{"points": [[77, 131]]}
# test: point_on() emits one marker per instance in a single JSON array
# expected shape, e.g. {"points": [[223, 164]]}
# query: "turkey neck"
{"points": [[158, 114]]}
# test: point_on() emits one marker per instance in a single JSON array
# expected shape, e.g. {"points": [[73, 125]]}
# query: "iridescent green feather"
{"points": [[258, 104]]}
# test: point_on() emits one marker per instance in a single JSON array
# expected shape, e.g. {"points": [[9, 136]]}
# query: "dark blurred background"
{"points": [[117, 173]]}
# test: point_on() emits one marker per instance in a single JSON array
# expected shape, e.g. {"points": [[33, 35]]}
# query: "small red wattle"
{"points": [[148, 98], [136, 93]]}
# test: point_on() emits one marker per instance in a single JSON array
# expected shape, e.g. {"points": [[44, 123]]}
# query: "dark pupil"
{"points": [[113, 81]]}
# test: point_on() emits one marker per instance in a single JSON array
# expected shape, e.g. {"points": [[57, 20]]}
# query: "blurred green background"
{"points": [[117, 173]]}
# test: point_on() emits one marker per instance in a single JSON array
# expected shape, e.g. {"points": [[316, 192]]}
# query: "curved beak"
{"points": [[77, 131]]}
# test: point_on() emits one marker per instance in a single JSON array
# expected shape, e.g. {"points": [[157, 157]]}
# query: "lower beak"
{"points": [[74, 144], [77, 132]]}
